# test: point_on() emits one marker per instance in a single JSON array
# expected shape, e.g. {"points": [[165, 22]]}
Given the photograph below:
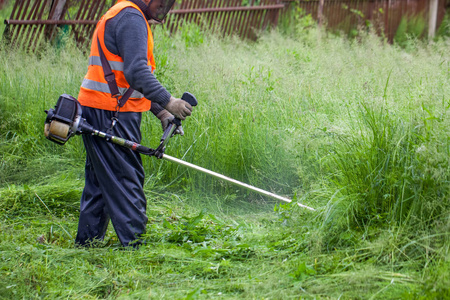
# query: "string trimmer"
{"points": [[65, 121]]}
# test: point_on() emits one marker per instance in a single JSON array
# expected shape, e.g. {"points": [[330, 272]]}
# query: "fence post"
{"points": [[55, 14], [432, 18], [320, 13]]}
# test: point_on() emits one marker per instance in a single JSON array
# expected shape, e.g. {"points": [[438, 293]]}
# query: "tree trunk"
{"points": [[320, 13], [433, 18]]}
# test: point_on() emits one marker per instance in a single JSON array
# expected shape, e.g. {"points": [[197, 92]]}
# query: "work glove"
{"points": [[166, 117], [179, 108]]}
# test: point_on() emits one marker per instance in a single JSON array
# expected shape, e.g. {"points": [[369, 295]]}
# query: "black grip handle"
{"points": [[169, 132], [189, 98]]}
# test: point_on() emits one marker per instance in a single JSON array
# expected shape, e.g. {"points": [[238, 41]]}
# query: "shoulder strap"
{"points": [[111, 79]]}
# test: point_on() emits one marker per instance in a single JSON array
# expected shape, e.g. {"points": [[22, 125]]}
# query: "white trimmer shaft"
{"points": [[234, 181]]}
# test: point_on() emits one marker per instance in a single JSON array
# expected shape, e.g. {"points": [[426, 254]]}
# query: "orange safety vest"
{"points": [[94, 91]]}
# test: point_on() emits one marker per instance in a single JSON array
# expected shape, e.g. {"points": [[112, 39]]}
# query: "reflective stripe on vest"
{"points": [[115, 65], [94, 91], [103, 87]]}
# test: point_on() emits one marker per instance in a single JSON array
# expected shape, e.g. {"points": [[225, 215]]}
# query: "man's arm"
{"points": [[126, 36]]}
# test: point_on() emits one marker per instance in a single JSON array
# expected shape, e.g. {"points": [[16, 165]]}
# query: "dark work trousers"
{"points": [[114, 181]]}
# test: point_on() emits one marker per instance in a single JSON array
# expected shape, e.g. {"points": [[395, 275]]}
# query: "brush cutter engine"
{"points": [[63, 121]]}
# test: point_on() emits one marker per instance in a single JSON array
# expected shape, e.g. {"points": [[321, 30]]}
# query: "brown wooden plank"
{"points": [[80, 13], [84, 16], [217, 17], [188, 16], [40, 7], [328, 13], [21, 16], [228, 29], [15, 11], [345, 13], [91, 12], [233, 26], [172, 19], [29, 29], [168, 20], [208, 16], [20, 28], [49, 30], [24, 40], [97, 17], [246, 21], [276, 16], [341, 12], [17, 8], [40, 28], [89, 28], [180, 18], [228, 17], [332, 12], [248, 29], [86, 22], [231, 8], [246, 25], [14, 15], [206, 19], [197, 18], [176, 19], [239, 24], [265, 20]]}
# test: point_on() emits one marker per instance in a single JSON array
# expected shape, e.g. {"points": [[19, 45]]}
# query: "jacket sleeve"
{"points": [[156, 108], [126, 36]]}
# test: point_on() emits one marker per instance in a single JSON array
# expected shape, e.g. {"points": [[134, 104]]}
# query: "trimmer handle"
{"points": [[189, 98], [169, 132]]}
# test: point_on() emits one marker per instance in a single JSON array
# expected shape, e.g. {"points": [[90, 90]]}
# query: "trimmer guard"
{"points": [[62, 121]]}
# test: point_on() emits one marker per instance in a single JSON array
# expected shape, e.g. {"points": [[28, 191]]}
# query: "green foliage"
{"points": [[409, 29], [380, 173], [444, 30], [295, 21], [5, 13], [356, 129], [25, 200], [197, 229], [302, 272], [192, 34]]}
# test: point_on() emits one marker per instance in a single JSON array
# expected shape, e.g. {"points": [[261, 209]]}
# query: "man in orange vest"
{"points": [[117, 88]]}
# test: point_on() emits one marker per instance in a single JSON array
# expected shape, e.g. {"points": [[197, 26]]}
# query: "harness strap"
{"points": [[111, 80]]}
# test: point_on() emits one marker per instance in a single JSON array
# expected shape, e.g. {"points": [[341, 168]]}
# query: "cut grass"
{"points": [[252, 264]]}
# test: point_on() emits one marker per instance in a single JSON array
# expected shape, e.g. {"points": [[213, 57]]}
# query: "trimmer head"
{"points": [[62, 122]]}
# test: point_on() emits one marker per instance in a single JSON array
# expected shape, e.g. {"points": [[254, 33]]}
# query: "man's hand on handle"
{"points": [[179, 108], [166, 117]]}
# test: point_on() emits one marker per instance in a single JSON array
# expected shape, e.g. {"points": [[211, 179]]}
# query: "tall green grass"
{"points": [[357, 129]]}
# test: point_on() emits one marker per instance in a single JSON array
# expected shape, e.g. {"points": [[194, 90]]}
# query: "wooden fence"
{"points": [[227, 16], [384, 15], [33, 21]]}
